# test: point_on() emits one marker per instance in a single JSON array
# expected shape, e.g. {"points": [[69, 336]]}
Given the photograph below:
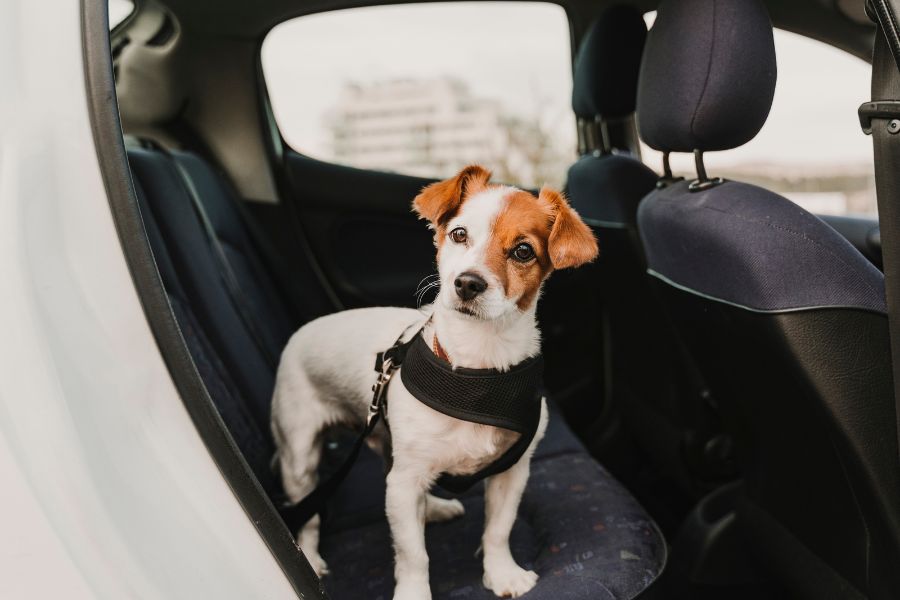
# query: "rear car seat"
{"points": [[580, 529]]}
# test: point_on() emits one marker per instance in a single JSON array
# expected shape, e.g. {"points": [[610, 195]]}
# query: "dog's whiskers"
{"points": [[421, 294], [427, 283], [426, 278]]}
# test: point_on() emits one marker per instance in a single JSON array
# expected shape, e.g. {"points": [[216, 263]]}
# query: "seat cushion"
{"points": [[360, 499], [578, 528]]}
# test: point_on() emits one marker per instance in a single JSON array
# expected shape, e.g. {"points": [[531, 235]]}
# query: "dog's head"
{"points": [[496, 244]]}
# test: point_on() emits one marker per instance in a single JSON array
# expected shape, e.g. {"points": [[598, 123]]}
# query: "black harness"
{"points": [[508, 399]]}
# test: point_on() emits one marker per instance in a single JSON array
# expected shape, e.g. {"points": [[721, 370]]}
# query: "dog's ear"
{"points": [[571, 242], [439, 201]]}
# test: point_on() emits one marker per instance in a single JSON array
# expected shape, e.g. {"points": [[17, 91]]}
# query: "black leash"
{"points": [[386, 363]]}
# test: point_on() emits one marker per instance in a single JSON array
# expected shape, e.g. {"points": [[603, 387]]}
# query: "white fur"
{"points": [[477, 217], [325, 378]]}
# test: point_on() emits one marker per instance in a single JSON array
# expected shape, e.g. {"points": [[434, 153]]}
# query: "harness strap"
{"points": [[296, 515], [460, 483], [509, 399]]}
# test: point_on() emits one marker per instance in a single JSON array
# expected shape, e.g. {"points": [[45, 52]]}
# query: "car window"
{"points": [[425, 89], [811, 149], [119, 11]]}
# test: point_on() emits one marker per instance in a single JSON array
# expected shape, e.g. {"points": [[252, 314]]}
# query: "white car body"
{"points": [[107, 489]]}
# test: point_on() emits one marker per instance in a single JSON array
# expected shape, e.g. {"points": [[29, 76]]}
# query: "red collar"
{"points": [[439, 350]]}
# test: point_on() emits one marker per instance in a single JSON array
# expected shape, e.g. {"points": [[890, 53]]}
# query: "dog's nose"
{"points": [[469, 285]]}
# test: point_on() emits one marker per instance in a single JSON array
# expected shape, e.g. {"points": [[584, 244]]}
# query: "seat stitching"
{"points": [[712, 47], [796, 234]]}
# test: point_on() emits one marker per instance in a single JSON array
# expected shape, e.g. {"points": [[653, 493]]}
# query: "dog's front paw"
{"points": [[318, 564], [442, 509], [509, 581], [412, 590]]}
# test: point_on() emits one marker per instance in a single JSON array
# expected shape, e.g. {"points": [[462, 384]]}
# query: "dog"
{"points": [[496, 245]]}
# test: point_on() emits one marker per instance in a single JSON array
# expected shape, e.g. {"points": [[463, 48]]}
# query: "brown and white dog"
{"points": [[496, 245]]}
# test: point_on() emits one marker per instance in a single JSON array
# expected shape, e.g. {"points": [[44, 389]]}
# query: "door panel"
{"points": [[361, 229]]}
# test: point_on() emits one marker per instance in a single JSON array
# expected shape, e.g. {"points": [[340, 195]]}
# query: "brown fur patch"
{"points": [[557, 234], [571, 242], [527, 219], [440, 201]]}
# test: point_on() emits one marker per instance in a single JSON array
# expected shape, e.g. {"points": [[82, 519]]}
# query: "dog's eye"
{"points": [[459, 235], [523, 253]]}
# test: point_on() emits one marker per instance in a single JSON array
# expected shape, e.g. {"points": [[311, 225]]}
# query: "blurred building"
{"points": [[433, 128]]}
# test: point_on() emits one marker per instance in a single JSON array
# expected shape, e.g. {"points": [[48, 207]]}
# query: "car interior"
{"points": [[722, 415]]}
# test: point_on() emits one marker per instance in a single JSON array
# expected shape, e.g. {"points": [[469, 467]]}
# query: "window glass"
{"points": [[118, 11], [425, 89], [811, 149]]}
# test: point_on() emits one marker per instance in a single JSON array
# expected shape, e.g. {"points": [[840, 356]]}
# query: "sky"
{"points": [[118, 10]]}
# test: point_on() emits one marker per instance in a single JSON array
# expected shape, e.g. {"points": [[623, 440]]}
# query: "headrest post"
{"points": [[582, 137], [702, 182], [590, 137], [603, 130], [701, 169], [667, 177], [667, 168]]}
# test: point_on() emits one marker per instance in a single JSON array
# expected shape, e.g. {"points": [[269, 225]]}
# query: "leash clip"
{"points": [[379, 388]]}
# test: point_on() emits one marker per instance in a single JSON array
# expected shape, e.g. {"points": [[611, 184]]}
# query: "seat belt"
{"points": [[226, 272], [281, 274], [881, 118]]}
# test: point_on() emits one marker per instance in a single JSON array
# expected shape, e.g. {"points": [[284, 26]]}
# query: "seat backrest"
{"points": [[239, 374], [784, 316], [649, 383], [256, 443]]}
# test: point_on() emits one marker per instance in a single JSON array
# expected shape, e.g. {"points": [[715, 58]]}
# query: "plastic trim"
{"points": [[762, 311]]}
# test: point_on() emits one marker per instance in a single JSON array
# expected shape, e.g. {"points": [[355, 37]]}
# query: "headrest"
{"points": [[708, 75], [606, 67]]}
